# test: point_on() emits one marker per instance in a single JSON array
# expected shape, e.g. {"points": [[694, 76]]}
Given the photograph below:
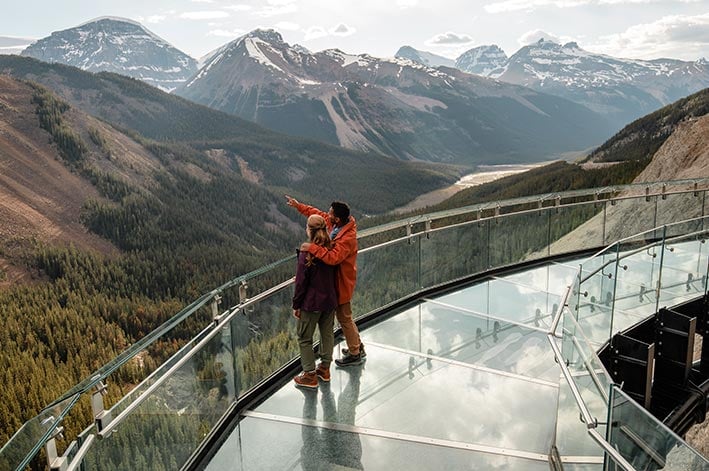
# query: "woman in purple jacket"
{"points": [[314, 303]]}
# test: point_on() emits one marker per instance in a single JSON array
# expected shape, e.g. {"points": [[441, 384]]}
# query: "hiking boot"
{"points": [[362, 353], [323, 372], [349, 360], [307, 379]]}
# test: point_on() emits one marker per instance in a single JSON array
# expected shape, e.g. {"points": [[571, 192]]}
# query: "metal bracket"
{"points": [[216, 301], [55, 462], [102, 417], [427, 229]]}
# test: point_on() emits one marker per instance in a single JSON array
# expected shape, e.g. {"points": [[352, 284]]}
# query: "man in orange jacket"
{"points": [[343, 232]]}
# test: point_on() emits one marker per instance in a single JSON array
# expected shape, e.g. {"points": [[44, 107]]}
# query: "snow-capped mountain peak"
{"points": [[117, 45], [482, 60], [423, 57]]}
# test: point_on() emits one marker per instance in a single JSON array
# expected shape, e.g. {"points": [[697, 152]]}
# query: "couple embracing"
{"points": [[324, 283]]}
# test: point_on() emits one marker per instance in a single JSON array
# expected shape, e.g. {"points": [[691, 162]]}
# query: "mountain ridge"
{"points": [[393, 106], [620, 89]]}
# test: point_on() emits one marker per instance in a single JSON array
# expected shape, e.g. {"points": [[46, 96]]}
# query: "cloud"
{"points": [[342, 30], [502, 6], [276, 10], [315, 32], [677, 36], [224, 33], [153, 19], [531, 37], [403, 4], [516, 5], [449, 38], [286, 26], [204, 15], [202, 1], [238, 7], [280, 2]]}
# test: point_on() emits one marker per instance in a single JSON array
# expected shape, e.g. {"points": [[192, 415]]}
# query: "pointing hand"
{"points": [[291, 201]]}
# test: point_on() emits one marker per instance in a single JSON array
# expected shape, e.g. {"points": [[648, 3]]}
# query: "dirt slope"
{"points": [[40, 198]]}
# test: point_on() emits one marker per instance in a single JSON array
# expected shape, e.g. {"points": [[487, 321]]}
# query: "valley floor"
{"points": [[484, 174]]}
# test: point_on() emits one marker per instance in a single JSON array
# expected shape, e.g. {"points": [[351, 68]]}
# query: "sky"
{"points": [[641, 29]]}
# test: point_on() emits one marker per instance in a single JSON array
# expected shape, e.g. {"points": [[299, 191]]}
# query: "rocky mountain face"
{"points": [[117, 45], [620, 89], [482, 60], [423, 57], [392, 106]]}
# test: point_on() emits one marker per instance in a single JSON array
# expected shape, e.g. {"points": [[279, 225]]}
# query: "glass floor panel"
{"points": [[441, 331], [451, 402], [506, 300], [258, 444]]}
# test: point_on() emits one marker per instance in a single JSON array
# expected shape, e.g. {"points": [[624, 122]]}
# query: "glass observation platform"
{"points": [[481, 325]]}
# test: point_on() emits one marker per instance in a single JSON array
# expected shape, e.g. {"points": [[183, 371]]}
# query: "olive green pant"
{"points": [[306, 328]]}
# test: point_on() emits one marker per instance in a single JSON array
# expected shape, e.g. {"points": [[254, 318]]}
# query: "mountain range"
{"points": [[393, 106], [117, 45], [620, 89], [416, 106]]}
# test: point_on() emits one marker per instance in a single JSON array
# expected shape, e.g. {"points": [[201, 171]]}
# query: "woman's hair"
{"points": [[318, 231]]}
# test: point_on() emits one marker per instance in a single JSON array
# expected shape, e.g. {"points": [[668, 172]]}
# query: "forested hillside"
{"points": [[312, 170], [644, 136]]}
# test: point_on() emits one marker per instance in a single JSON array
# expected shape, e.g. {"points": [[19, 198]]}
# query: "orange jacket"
{"points": [[343, 254]]}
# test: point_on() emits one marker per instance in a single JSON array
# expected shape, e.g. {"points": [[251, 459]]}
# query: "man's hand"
{"points": [[291, 201], [296, 313], [305, 246]]}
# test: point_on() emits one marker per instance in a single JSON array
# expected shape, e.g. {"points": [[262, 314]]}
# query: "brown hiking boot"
{"points": [[323, 372], [307, 379]]}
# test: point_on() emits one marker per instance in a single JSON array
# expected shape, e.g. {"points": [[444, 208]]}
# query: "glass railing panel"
{"points": [[518, 237], [308, 447], [445, 332], [168, 425], [595, 296], [571, 433], [684, 269], [628, 217], [454, 252], [386, 274], [27, 441], [589, 375], [159, 375], [506, 301], [682, 206], [575, 228], [644, 441], [450, 401], [637, 275], [264, 339]]}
